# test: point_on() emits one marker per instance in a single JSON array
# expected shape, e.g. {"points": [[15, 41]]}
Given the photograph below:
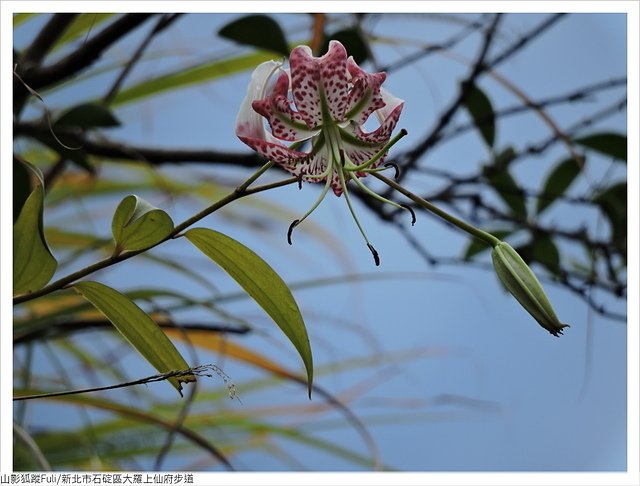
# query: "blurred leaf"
{"points": [[613, 202], [20, 18], [75, 155], [558, 181], [546, 252], [259, 31], [21, 187], [33, 262], [352, 40], [607, 143], [481, 111], [189, 76], [137, 328], [502, 182], [138, 225], [134, 413], [477, 246], [87, 115], [81, 24], [262, 283]]}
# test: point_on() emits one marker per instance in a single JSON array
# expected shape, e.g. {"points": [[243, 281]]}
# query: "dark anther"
{"points": [[396, 167], [404, 132], [413, 215], [376, 258], [291, 226], [341, 157], [300, 182]]}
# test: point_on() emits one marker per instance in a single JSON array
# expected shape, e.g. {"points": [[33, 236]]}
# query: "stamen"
{"points": [[413, 215], [382, 199], [376, 258], [291, 226], [300, 182], [347, 198], [396, 167], [379, 154]]}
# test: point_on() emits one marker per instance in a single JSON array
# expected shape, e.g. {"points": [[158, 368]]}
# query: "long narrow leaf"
{"points": [[261, 282], [138, 328]]}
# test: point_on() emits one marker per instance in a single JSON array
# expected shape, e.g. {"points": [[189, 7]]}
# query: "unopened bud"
{"points": [[521, 282]]}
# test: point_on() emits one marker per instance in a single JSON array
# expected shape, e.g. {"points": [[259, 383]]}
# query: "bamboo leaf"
{"points": [[81, 24], [184, 77], [262, 283], [137, 225], [137, 328], [259, 31], [33, 262]]}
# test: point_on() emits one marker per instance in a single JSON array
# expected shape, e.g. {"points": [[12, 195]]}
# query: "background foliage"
{"points": [[106, 105]]}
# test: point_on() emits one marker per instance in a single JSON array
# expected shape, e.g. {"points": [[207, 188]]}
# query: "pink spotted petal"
{"points": [[248, 122], [277, 152], [286, 124], [333, 74], [383, 133], [364, 96], [315, 81]]}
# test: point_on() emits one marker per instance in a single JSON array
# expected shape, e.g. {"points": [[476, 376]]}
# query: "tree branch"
{"points": [[86, 54]]}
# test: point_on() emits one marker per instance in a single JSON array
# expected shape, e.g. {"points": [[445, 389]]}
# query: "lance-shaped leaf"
{"points": [[260, 31], [33, 262], [138, 328], [481, 110], [558, 181], [261, 282], [607, 143], [138, 225]]}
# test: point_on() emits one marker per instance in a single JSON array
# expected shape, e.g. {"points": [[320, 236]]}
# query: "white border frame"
{"points": [[630, 7]]}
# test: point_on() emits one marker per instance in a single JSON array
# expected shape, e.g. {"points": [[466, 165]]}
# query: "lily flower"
{"points": [[325, 101]]}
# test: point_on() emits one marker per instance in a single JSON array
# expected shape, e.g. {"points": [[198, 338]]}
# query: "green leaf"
{"points": [[81, 24], [503, 183], [481, 111], [477, 246], [20, 18], [613, 202], [353, 41], [607, 143], [21, 187], [258, 31], [262, 283], [546, 252], [558, 181], [87, 115], [137, 225], [33, 262], [76, 155], [183, 77], [137, 328]]}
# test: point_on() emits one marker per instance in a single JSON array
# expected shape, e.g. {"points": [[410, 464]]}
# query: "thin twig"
{"points": [[202, 370], [163, 23]]}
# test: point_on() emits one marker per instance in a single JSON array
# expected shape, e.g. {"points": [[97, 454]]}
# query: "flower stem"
{"points": [[241, 191], [472, 230]]}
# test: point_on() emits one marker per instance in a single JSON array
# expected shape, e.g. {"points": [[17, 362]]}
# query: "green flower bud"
{"points": [[521, 282]]}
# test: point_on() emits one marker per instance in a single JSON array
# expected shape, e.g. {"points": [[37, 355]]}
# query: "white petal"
{"points": [[248, 122], [391, 103]]}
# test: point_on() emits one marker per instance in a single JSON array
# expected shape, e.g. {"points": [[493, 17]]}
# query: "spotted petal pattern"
{"points": [[326, 100]]}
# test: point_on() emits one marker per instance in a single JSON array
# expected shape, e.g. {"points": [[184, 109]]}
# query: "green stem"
{"points": [[239, 192], [472, 230]]}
